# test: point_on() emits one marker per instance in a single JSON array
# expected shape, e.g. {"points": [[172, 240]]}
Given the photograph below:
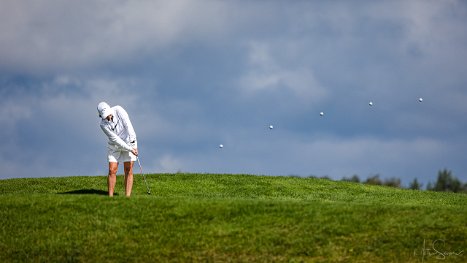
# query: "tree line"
{"points": [[446, 182]]}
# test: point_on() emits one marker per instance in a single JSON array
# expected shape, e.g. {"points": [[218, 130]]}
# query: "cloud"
{"points": [[265, 73], [57, 117], [55, 36], [11, 112], [168, 164], [194, 74], [279, 153]]}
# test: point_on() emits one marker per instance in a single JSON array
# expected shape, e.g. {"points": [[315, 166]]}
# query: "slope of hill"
{"points": [[222, 217]]}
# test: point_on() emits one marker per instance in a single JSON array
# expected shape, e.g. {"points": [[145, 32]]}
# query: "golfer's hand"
{"points": [[135, 151]]}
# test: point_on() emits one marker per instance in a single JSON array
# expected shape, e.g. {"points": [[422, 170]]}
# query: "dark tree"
{"points": [[429, 186], [393, 182], [415, 185], [353, 179], [447, 182], [374, 180]]}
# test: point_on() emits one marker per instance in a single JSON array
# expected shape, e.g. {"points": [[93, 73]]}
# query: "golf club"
{"points": [[144, 176]]}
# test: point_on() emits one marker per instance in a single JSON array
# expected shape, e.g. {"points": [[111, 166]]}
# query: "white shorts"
{"points": [[119, 155]]}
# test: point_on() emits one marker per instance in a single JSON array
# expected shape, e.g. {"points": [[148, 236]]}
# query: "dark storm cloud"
{"points": [[195, 74]]}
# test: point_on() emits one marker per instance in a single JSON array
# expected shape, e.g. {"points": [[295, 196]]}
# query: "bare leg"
{"points": [[128, 166], [112, 179]]}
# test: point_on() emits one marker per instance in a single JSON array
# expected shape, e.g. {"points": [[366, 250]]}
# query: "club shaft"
{"points": [[144, 176]]}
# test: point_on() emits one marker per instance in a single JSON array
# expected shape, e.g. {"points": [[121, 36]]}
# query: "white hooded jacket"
{"points": [[119, 129]]}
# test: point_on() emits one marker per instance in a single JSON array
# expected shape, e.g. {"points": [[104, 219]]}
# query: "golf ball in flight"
{"points": [[371, 103], [271, 127], [420, 99], [321, 114], [221, 146]]}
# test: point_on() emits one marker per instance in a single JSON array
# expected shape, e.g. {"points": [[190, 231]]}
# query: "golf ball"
{"points": [[271, 127], [321, 114], [221, 146], [420, 99], [371, 103]]}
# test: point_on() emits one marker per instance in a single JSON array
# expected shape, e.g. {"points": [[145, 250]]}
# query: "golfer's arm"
{"points": [[115, 139], [129, 127]]}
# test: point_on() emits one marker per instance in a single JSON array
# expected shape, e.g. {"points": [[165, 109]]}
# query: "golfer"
{"points": [[122, 145]]}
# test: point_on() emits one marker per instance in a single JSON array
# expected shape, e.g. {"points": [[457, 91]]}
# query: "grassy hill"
{"points": [[222, 218]]}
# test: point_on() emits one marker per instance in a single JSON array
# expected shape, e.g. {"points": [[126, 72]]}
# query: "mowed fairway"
{"points": [[222, 218]]}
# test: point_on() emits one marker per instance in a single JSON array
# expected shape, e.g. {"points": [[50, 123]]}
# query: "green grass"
{"points": [[222, 218]]}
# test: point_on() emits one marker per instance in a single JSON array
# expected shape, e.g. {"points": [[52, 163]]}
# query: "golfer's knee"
{"points": [[112, 171], [128, 170]]}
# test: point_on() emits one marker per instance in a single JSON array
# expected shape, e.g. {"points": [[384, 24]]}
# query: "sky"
{"points": [[195, 74]]}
